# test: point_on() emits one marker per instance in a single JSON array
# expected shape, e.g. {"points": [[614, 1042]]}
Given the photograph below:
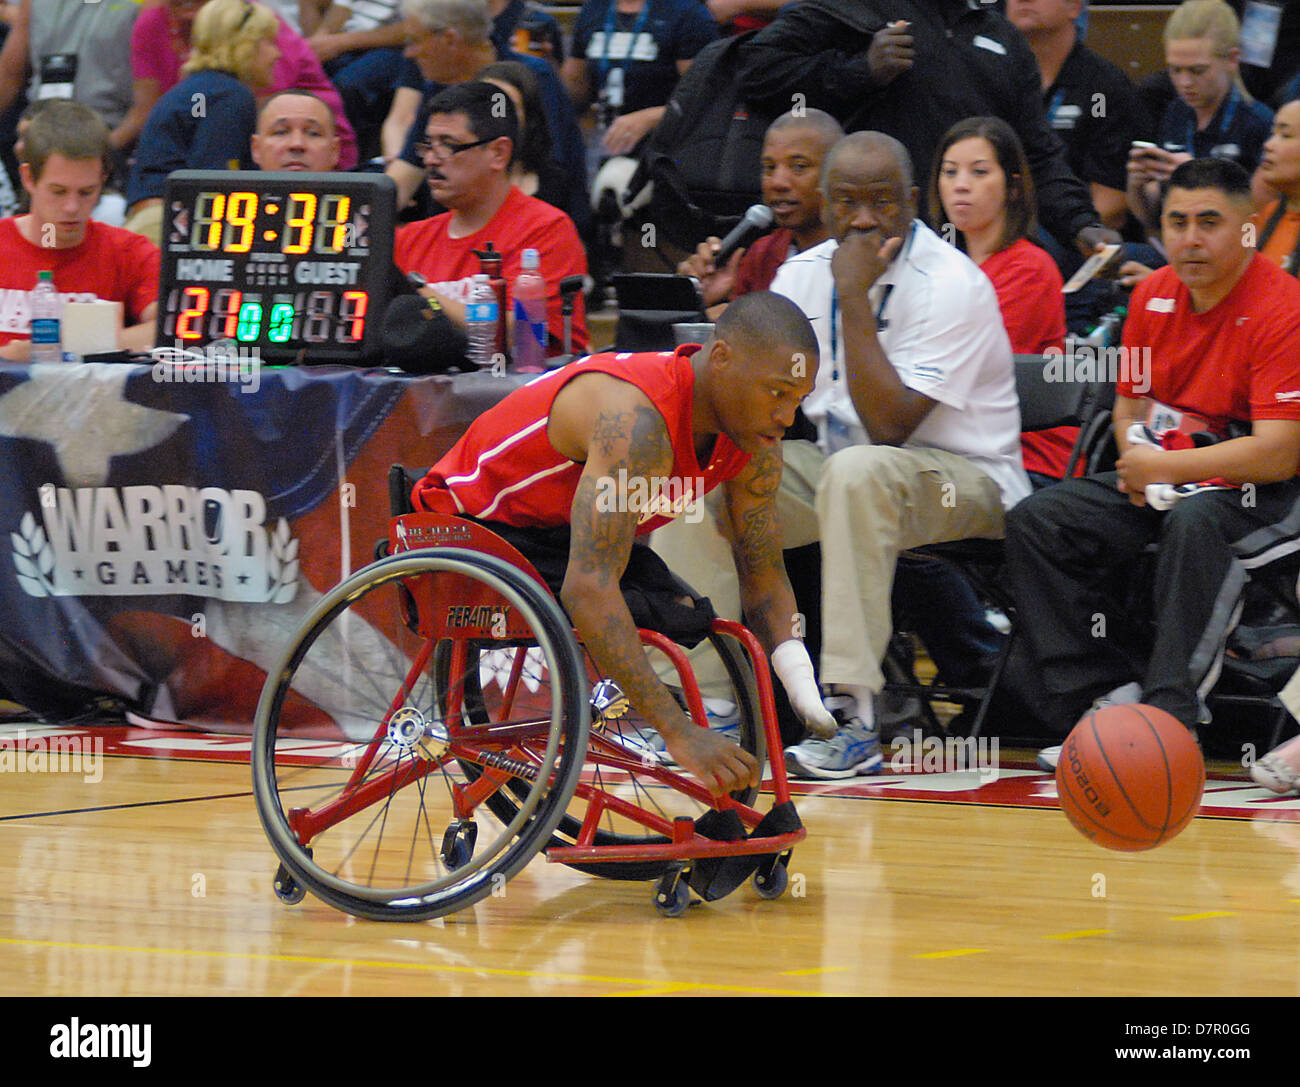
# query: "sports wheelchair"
{"points": [[434, 724]]}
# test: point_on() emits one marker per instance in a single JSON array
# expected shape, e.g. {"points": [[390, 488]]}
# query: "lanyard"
{"points": [[610, 22], [1229, 114], [881, 325]]}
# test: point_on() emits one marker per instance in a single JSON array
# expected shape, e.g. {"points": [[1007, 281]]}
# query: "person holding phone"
{"points": [[1213, 115]]}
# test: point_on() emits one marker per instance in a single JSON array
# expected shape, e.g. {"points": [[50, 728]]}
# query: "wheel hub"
{"points": [[408, 728]]}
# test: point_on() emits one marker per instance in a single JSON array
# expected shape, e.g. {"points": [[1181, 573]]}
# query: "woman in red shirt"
{"points": [[982, 200]]}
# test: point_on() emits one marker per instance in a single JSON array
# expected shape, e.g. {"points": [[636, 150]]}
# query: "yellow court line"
{"points": [[1205, 916], [645, 983], [812, 972], [953, 953], [1080, 934]]}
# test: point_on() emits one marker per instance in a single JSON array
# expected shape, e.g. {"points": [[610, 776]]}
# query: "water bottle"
{"points": [[47, 310], [530, 316], [481, 321]]}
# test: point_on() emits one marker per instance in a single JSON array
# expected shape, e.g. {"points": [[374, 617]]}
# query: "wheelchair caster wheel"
{"points": [[673, 895], [773, 882], [458, 844], [287, 889]]}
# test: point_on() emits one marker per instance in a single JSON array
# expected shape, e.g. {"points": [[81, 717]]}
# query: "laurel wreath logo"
{"points": [[282, 565], [34, 557]]}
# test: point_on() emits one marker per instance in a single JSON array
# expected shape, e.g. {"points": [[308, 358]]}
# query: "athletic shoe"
{"points": [[1049, 757], [853, 750], [645, 743], [1275, 775], [724, 718], [1124, 695]]}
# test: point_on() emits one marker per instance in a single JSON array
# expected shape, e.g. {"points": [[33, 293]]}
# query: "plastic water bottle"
{"points": [[481, 320], [530, 316], [47, 311]]}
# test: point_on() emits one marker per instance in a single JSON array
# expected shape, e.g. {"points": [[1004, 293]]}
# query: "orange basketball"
{"points": [[1130, 777]]}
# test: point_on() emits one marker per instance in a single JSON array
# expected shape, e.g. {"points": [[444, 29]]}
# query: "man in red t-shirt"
{"points": [[793, 149], [1210, 342], [611, 446], [64, 170], [472, 133]]}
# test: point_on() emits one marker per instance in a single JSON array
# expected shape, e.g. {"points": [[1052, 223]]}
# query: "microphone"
{"points": [[757, 221]]}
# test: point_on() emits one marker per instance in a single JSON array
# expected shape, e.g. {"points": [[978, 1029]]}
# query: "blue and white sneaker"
{"points": [[724, 718], [853, 750], [645, 743]]}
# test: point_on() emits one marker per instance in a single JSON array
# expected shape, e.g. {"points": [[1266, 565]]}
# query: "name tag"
{"points": [[1160, 305]]}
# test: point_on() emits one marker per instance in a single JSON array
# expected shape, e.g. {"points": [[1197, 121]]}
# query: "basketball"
{"points": [[1130, 777]]}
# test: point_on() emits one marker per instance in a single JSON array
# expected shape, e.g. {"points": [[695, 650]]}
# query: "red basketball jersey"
{"points": [[504, 468]]}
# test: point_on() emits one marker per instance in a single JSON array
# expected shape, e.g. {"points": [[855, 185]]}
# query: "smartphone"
{"points": [[1090, 268]]}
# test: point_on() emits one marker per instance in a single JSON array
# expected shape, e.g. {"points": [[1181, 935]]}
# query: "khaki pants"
{"points": [[865, 504]]}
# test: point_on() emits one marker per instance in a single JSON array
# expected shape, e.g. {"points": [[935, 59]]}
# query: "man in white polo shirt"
{"points": [[918, 422], [917, 415]]}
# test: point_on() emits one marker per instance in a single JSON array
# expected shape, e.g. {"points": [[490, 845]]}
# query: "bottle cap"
{"points": [[45, 276]]}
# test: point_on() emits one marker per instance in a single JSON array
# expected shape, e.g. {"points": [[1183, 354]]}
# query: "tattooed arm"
{"points": [[766, 598], [768, 603], [614, 428]]}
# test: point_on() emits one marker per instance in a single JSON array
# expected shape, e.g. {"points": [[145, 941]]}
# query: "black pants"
{"points": [[1075, 552], [651, 590]]}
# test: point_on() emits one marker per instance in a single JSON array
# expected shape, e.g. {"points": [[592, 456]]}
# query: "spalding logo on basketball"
{"points": [[1130, 777]]}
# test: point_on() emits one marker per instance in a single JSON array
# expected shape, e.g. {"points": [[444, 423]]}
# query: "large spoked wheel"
{"points": [[359, 747], [624, 761]]}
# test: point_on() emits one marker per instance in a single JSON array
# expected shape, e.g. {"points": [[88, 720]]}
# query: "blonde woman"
{"points": [[206, 120], [1213, 114]]}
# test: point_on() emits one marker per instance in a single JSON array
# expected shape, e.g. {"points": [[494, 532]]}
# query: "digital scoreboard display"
{"points": [[298, 265]]}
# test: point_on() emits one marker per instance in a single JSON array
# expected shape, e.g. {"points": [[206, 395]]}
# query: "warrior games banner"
{"points": [[160, 540]]}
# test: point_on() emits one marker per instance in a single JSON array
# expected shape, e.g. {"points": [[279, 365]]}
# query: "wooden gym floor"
{"points": [[156, 881]]}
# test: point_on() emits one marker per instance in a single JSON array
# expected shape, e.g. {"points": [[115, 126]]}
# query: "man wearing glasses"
{"points": [[467, 152]]}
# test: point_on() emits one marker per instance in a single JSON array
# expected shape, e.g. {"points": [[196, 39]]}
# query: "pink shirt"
{"points": [[158, 53]]}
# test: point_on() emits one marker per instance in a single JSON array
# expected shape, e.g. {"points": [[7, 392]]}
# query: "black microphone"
{"points": [[757, 221]]}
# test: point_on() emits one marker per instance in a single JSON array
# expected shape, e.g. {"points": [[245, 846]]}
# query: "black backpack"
{"points": [[704, 156]]}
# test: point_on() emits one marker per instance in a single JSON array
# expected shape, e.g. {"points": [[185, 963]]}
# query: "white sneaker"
{"points": [[851, 751], [1049, 757], [1275, 775], [1127, 694]]}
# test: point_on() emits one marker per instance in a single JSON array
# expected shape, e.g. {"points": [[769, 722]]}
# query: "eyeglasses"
{"points": [[445, 149]]}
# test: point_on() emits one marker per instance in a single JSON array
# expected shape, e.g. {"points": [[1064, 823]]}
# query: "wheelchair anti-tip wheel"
{"points": [[363, 739]]}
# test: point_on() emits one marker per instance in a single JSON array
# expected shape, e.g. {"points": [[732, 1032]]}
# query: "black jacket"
{"points": [[970, 61]]}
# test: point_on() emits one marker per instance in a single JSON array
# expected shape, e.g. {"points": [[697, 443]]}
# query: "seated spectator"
{"points": [[912, 69], [915, 398], [1097, 141], [1278, 225], [111, 208], [295, 131], [65, 163], [449, 43], [470, 147], [983, 195], [535, 171], [1213, 114], [627, 56], [1220, 324], [97, 36], [794, 148], [233, 54], [359, 43], [163, 37]]}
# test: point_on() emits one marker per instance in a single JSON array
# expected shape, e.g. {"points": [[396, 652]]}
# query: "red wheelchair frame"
{"points": [[475, 604]]}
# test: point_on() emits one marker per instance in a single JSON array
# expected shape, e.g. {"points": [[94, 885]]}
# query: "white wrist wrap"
{"points": [[794, 668]]}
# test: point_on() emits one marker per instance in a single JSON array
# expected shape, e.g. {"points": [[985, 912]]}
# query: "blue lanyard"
{"points": [[881, 325], [1229, 114], [610, 22], [1055, 104]]}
